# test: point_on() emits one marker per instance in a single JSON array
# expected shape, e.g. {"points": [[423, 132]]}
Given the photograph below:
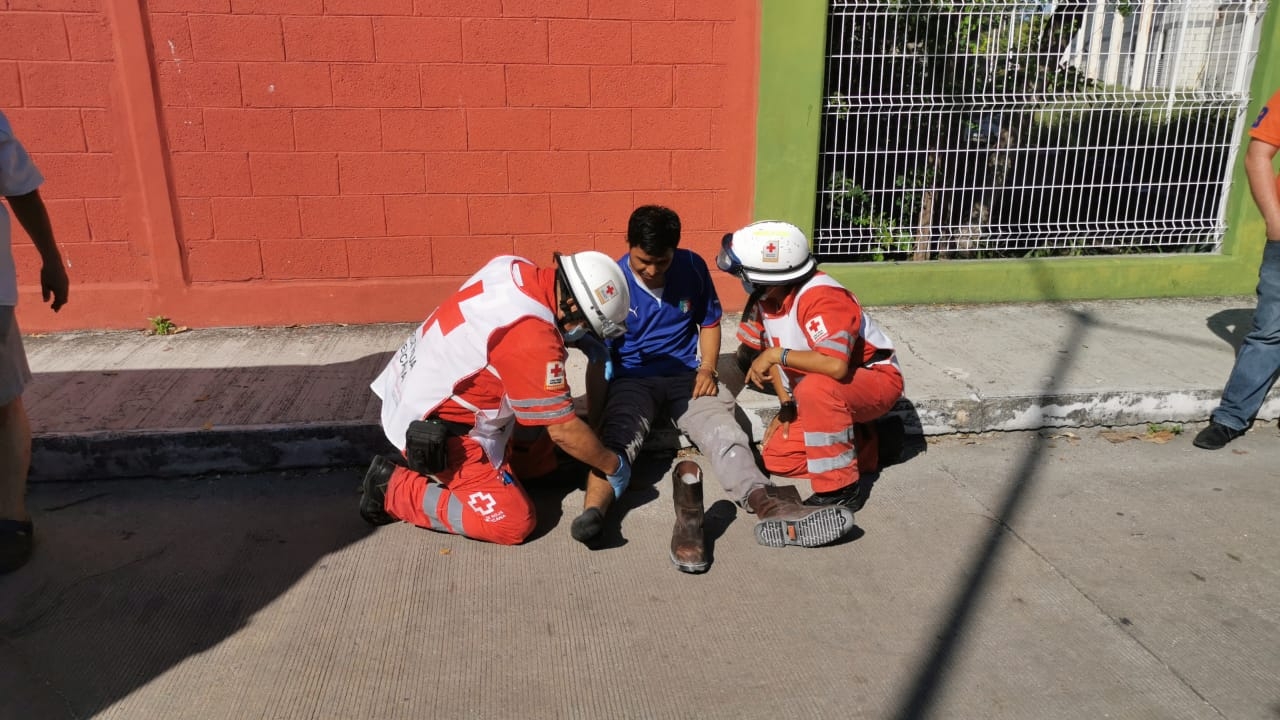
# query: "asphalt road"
{"points": [[1063, 574]]}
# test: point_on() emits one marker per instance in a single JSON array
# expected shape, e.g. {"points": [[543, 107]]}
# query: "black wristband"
{"points": [[787, 412]]}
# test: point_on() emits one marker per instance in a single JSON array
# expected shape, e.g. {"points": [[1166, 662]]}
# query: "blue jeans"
{"points": [[1259, 358]]}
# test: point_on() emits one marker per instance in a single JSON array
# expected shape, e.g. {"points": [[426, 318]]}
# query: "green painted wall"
{"points": [[792, 60]]}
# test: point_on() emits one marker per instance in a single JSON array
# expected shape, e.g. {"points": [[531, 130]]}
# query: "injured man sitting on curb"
{"points": [[665, 363]]}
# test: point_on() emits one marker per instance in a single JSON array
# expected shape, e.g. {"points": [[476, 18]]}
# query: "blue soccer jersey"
{"points": [[662, 333]]}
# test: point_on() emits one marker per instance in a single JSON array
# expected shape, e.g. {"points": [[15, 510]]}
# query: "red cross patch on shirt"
{"points": [[816, 328], [555, 375]]}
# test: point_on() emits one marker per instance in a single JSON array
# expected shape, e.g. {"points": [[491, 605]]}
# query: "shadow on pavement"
{"points": [[179, 422], [130, 579], [1231, 325], [923, 689]]}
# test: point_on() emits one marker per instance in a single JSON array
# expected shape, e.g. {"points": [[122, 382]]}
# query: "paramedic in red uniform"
{"points": [[489, 356], [838, 368]]}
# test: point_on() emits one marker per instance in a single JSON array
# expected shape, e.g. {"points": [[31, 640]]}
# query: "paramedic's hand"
{"points": [[597, 353], [619, 479], [774, 426], [762, 368]]}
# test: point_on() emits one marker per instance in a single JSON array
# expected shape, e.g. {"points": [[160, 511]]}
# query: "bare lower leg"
{"points": [[588, 526], [599, 493], [15, 460]]}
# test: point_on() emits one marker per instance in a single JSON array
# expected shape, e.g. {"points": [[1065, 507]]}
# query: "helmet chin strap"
{"points": [[570, 311]]}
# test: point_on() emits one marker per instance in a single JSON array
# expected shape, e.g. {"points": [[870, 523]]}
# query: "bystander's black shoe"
{"points": [[374, 492], [851, 496], [1216, 436]]}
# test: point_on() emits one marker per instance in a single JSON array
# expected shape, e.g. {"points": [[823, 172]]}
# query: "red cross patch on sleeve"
{"points": [[816, 329], [555, 375]]}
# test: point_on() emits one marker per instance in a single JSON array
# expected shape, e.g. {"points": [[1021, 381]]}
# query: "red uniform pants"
{"points": [[470, 498], [831, 437]]}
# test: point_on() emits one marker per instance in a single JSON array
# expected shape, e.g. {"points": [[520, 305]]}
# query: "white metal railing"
{"points": [[1015, 129]]}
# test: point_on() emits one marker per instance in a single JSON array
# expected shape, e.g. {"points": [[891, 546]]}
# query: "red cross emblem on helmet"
{"points": [[769, 253]]}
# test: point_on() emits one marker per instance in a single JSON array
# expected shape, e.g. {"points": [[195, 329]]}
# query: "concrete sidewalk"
{"points": [[127, 404]]}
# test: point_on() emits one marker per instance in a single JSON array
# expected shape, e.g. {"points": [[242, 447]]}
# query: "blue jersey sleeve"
{"points": [[709, 311]]}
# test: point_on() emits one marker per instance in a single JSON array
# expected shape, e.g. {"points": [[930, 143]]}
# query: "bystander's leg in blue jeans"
{"points": [[1259, 357]]}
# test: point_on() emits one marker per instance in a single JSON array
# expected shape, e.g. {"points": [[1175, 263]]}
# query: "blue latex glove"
{"points": [[597, 352], [620, 479]]}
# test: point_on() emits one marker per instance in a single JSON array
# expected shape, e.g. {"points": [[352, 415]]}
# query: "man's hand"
{"points": [[705, 384], [54, 283]]}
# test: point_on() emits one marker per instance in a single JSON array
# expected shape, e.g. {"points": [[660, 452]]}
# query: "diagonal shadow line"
{"points": [[920, 698]]}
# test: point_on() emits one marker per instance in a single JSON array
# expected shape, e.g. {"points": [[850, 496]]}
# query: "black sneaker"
{"points": [[1216, 436], [851, 496], [374, 492], [15, 544]]}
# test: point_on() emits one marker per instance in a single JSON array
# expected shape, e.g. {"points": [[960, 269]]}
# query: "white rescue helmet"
{"points": [[600, 289], [769, 252]]}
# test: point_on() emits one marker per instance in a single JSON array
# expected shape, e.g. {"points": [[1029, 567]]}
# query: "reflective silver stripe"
{"points": [[430, 501], [839, 462], [549, 415], [464, 403], [841, 342], [538, 402], [822, 439], [455, 514]]}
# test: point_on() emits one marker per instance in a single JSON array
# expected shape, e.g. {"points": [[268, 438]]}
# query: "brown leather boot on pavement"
{"points": [[785, 521], [688, 552]]}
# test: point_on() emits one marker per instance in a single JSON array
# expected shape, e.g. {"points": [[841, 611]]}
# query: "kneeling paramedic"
{"points": [[836, 370], [490, 356]]}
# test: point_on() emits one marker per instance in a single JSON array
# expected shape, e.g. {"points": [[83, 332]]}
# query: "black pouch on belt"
{"points": [[424, 446]]}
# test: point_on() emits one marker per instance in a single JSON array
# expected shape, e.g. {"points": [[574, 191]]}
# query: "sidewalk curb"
{"points": [[175, 453], [65, 457]]}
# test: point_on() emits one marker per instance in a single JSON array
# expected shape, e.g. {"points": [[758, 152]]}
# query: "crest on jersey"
{"points": [[817, 329], [555, 375]]}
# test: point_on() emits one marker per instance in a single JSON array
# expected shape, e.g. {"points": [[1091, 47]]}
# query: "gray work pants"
{"points": [[635, 403]]}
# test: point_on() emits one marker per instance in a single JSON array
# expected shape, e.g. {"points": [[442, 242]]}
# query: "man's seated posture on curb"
{"points": [[838, 370], [666, 362], [490, 355]]}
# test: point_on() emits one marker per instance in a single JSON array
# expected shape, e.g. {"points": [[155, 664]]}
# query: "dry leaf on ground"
{"points": [[1159, 437]]}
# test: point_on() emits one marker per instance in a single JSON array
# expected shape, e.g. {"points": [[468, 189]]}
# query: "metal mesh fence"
{"points": [[995, 129]]}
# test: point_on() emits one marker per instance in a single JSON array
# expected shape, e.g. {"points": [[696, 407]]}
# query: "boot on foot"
{"points": [[374, 492], [783, 520]]}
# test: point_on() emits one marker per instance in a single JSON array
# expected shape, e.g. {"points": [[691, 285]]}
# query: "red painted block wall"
{"points": [[353, 161]]}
